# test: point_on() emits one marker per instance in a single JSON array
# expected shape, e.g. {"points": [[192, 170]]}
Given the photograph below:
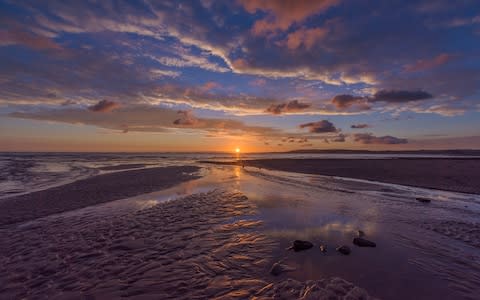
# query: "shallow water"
{"points": [[22, 173], [424, 251]]}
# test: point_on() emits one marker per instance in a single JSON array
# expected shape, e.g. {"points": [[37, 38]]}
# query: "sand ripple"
{"points": [[201, 246]]}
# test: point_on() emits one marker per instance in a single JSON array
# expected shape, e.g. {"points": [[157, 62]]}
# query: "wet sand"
{"points": [[91, 191], [198, 247], [122, 167], [450, 174]]}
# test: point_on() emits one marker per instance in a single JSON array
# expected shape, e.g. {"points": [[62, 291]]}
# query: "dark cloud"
{"points": [[289, 107], [104, 106], [323, 126], [400, 96], [339, 138], [368, 138], [346, 101], [187, 118], [360, 126]]}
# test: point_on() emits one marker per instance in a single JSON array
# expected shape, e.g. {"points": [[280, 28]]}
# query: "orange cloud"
{"points": [[281, 14], [209, 86], [305, 37]]}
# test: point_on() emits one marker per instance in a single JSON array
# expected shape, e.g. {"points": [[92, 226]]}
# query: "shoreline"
{"points": [[447, 174], [91, 191]]}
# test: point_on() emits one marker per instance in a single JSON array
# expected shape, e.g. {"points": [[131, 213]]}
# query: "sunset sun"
{"points": [[237, 150]]}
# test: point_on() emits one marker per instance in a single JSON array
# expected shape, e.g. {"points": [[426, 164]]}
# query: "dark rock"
{"points": [[361, 242], [423, 200], [279, 268], [323, 248], [361, 233], [299, 245], [344, 250]]}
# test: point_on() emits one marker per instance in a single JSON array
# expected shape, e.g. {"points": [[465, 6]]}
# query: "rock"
{"points": [[345, 250], [361, 233], [361, 242], [323, 248], [423, 200], [299, 245], [279, 268]]}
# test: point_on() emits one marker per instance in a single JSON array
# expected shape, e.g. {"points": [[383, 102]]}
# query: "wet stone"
{"points": [[323, 248], [345, 250], [423, 200], [361, 242], [278, 268], [299, 245]]}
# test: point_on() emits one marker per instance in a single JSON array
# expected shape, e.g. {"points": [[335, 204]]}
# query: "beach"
{"points": [[91, 191], [452, 174], [224, 231], [200, 246]]}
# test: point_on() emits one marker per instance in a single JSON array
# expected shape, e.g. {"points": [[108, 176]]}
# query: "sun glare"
{"points": [[237, 150]]}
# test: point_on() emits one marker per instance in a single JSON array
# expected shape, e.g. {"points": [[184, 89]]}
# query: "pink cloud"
{"points": [[209, 86], [258, 82], [426, 64], [25, 38]]}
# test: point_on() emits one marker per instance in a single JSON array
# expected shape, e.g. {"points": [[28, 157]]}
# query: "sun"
{"points": [[237, 150]]}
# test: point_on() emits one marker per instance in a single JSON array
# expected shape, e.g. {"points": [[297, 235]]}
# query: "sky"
{"points": [[264, 75]]}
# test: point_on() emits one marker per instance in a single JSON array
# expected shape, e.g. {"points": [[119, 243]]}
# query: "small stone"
{"points": [[299, 245], [323, 248], [345, 250], [361, 242], [423, 200], [278, 268]]}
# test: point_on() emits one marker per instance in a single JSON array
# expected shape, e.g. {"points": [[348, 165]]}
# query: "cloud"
{"points": [[400, 96], [339, 138], [258, 82], [292, 106], [165, 73], [360, 126], [209, 86], [187, 118], [319, 41], [427, 64], [147, 118], [305, 38], [26, 39], [368, 138], [322, 126], [347, 101], [281, 14], [104, 106]]}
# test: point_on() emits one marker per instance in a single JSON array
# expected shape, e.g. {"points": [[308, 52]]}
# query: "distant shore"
{"points": [[91, 191], [449, 174]]}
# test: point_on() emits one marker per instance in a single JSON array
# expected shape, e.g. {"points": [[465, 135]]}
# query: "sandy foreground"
{"points": [[91, 191], [450, 174], [201, 246]]}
